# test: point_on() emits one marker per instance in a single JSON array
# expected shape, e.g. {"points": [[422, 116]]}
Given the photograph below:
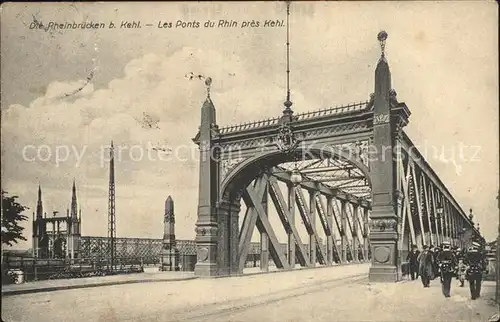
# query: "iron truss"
{"points": [[334, 173]]}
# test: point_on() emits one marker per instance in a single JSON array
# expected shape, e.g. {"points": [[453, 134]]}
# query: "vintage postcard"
{"points": [[250, 161]]}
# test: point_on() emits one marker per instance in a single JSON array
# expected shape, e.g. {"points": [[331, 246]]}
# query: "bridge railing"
{"points": [[24, 269], [249, 125], [28, 269], [337, 110]]}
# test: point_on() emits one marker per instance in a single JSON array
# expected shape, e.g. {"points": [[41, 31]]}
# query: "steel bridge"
{"points": [[350, 172]]}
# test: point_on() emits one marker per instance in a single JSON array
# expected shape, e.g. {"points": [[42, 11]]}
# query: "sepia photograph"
{"points": [[250, 161]]}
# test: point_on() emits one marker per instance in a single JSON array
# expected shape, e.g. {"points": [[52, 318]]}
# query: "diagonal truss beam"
{"points": [[361, 226], [305, 212], [279, 200], [343, 228], [327, 226], [419, 205], [249, 222], [252, 200], [354, 233], [405, 175], [427, 208], [439, 235]]}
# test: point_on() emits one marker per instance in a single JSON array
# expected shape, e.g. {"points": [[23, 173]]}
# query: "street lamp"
{"points": [[295, 177], [461, 234], [439, 212]]}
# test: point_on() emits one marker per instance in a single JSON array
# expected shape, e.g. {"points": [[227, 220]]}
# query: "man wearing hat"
{"points": [[425, 261], [447, 265], [477, 264], [412, 260]]}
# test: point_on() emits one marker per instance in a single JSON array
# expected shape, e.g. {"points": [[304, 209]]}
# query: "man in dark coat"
{"points": [[433, 251], [425, 261], [437, 252], [477, 264], [447, 266], [412, 260]]}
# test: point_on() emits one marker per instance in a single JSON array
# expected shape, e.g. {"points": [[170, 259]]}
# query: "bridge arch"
{"points": [[233, 243], [241, 175]]}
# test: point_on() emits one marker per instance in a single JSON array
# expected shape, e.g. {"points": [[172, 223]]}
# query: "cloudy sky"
{"points": [[73, 91]]}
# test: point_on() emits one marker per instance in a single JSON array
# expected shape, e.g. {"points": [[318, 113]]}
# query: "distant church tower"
{"points": [[74, 226], [169, 253], [39, 229], [42, 248]]}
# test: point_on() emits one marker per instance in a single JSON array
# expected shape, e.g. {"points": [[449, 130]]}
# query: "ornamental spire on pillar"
{"points": [[287, 112], [382, 76], [74, 203], [208, 84]]}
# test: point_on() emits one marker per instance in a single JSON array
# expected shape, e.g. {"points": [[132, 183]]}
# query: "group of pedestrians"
{"points": [[446, 262]]}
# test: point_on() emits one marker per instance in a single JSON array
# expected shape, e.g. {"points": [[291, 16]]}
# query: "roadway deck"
{"points": [[66, 284], [339, 293], [150, 275]]}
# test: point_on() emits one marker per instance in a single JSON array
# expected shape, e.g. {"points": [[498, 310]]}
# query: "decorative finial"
{"points": [[208, 83], [382, 37], [288, 102]]}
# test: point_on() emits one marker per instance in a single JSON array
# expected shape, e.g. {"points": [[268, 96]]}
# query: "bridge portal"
{"points": [[351, 174]]}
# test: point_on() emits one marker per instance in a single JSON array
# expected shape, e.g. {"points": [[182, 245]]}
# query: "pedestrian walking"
{"points": [[425, 261], [433, 251], [476, 262], [412, 260], [447, 266]]}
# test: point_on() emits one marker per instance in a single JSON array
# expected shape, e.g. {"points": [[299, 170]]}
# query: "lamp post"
{"points": [[461, 234], [439, 212]]}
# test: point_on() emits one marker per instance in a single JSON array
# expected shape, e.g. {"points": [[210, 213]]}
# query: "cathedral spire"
{"points": [[74, 204], [39, 206]]}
